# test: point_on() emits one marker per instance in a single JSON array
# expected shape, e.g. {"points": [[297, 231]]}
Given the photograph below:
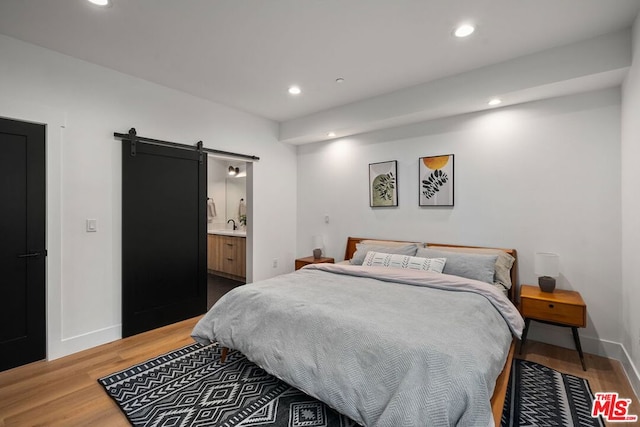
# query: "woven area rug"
{"points": [[540, 396], [189, 387]]}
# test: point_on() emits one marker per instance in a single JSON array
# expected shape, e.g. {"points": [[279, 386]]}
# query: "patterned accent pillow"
{"points": [[381, 259]]}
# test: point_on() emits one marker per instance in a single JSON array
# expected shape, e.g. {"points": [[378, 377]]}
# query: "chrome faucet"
{"points": [[235, 227]]}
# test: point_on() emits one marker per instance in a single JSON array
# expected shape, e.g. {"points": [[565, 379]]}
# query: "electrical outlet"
{"points": [[326, 218], [274, 264]]}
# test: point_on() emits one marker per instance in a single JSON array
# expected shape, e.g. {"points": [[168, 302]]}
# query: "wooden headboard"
{"points": [[351, 249]]}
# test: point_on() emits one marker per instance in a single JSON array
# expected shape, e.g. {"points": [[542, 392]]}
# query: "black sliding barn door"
{"points": [[22, 243], [164, 271]]}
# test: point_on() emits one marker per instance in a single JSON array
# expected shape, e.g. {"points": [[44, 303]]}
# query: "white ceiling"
{"points": [[245, 53]]}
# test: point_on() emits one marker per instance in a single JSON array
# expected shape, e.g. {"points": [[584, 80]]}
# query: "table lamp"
{"points": [[547, 268]]}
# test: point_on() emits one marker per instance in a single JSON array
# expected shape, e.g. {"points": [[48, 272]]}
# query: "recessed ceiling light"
{"points": [[495, 101], [339, 80], [295, 90], [100, 2], [331, 134], [464, 30]]}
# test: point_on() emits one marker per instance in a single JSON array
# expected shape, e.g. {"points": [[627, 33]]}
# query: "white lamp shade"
{"points": [[547, 264], [317, 242]]}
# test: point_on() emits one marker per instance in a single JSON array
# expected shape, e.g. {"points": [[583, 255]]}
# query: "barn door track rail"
{"points": [[132, 136]]}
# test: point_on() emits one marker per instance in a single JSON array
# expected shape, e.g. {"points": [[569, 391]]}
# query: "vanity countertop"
{"points": [[225, 232]]}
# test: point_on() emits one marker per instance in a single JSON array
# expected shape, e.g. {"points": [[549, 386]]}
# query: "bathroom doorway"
{"points": [[227, 226]]}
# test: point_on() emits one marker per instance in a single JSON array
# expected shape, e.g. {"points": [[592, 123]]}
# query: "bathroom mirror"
{"points": [[224, 192], [236, 191]]}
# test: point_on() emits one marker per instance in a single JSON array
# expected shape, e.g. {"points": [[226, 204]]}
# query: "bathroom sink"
{"points": [[226, 232]]}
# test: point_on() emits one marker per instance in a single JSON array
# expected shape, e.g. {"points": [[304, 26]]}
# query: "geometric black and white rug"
{"points": [[189, 387], [540, 396]]}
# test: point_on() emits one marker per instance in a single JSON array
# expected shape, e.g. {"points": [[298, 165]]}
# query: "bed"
{"points": [[384, 346]]}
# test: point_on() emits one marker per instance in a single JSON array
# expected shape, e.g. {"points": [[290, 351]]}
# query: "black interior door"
{"points": [[22, 243], [164, 270]]}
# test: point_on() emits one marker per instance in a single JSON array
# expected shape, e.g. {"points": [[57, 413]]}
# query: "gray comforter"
{"points": [[386, 347]]}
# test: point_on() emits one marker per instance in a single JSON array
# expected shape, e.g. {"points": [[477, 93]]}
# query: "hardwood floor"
{"points": [[65, 392], [604, 375]]}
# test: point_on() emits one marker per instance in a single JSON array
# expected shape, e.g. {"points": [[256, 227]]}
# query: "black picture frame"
{"points": [[436, 180], [383, 184]]}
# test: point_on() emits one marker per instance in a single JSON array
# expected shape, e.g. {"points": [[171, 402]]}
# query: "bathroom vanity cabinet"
{"points": [[226, 256]]}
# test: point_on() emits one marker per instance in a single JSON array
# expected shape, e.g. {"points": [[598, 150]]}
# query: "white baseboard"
{"points": [[85, 341], [631, 371], [562, 337]]}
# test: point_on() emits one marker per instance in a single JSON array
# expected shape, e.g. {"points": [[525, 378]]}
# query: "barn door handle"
{"points": [[31, 255]]}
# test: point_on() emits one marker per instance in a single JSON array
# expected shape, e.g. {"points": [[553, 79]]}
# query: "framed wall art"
{"points": [[383, 184], [435, 175]]}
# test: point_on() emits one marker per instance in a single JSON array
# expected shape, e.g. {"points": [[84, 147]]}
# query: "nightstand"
{"points": [[301, 262], [560, 308]]}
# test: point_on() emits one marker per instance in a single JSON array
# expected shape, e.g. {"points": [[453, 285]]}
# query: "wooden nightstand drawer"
{"points": [[567, 314], [561, 308]]}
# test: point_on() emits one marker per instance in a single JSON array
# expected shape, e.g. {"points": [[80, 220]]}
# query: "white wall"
{"points": [[542, 176], [631, 208], [83, 105]]}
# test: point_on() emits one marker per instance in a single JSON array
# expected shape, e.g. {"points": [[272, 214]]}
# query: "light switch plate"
{"points": [[92, 225]]}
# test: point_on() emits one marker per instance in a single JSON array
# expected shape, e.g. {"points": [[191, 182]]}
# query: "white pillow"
{"points": [[381, 259]]}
